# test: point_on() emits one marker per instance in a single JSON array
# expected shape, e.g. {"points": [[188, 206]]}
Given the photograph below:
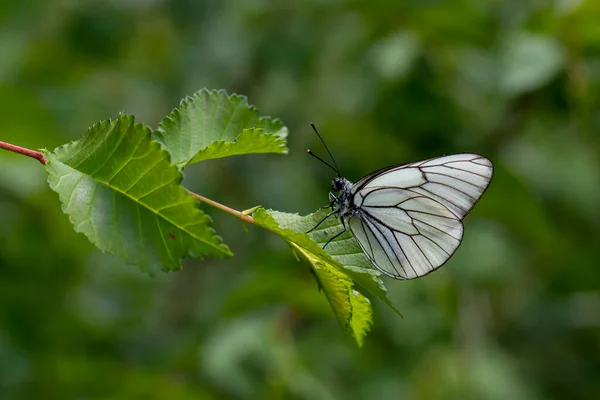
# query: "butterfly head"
{"points": [[339, 185], [340, 195]]}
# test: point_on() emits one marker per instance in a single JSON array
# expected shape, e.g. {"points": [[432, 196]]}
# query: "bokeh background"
{"points": [[514, 314]]}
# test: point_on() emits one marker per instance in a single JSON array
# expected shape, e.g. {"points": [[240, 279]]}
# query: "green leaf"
{"points": [[351, 308], [119, 189], [344, 272], [345, 252], [529, 61], [394, 55], [212, 124]]}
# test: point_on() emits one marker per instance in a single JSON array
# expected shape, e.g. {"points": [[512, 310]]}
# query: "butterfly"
{"points": [[407, 218]]}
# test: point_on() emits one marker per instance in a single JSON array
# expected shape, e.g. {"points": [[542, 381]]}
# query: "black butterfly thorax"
{"points": [[341, 198]]}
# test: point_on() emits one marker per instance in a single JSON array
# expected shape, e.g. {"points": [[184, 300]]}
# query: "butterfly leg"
{"points": [[320, 222], [339, 234], [332, 201]]}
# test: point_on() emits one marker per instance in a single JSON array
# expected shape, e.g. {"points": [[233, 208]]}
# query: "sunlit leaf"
{"points": [[351, 308], [344, 251], [343, 270], [213, 124], [119, 189], [528, 61], [394, 56]]}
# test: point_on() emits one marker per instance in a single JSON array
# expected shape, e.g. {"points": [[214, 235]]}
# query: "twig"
{"points": [[228, 210], [26, 152]]}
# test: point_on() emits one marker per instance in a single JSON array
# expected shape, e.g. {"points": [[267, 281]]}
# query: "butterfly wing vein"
{"points": [[408, 219]]}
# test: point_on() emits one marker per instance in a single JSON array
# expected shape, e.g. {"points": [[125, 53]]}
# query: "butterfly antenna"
{"points": [[336, 169], [309, 151]]}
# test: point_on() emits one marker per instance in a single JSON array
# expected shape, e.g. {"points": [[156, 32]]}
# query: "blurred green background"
{"points": [[514, 314]]}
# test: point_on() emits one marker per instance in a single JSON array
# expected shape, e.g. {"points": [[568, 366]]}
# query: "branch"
{"points": [[26, 152]]}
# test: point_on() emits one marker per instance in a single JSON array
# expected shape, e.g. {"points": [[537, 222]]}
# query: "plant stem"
{"points": [[228, 210], [26, 152]]}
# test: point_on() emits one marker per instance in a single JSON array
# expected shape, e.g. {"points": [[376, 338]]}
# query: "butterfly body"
{"points": [[341, 198]]}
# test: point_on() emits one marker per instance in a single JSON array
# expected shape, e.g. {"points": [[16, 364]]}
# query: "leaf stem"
{"points": [[222, 207], [26, 152]]}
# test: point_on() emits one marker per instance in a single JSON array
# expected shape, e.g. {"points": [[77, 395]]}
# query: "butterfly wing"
{"points": [[408, 218]]}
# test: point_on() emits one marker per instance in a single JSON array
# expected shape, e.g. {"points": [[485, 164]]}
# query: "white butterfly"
{"points": [[408, 219]]}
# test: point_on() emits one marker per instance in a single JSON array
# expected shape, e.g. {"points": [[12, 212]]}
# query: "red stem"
{"points": [[26, 152]]}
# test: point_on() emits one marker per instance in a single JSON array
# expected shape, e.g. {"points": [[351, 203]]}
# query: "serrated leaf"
{"points": [[213, 124], [351, 308], [345, 251], [119, 189], [253, 140]]}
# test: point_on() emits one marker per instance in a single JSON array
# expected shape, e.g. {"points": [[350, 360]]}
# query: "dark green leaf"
{"points": [[120, 190], [213, 124]]}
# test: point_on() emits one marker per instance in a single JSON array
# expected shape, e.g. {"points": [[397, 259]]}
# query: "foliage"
{"points": [[120, 189], [213, 124], [343, 254], [352, 309]]}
